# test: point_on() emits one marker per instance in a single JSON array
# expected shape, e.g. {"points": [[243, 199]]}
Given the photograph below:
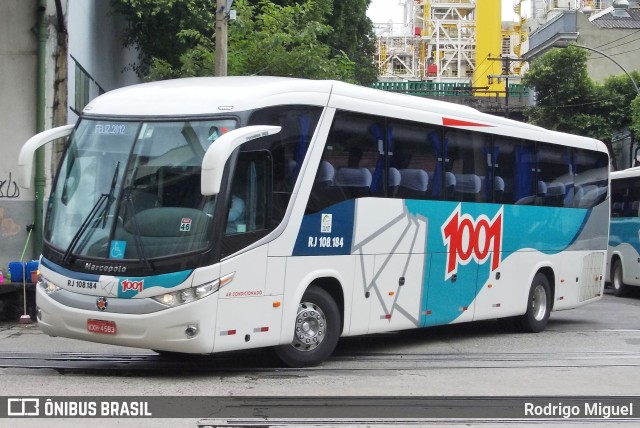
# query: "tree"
{"points": [[563, 90], [568, 100], [279, 37], [164, 29], [352, 35], [635, 116]]}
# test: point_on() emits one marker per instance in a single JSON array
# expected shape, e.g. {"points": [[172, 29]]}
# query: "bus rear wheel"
{"points": [[620, 289], [538, 306], [317, 328]]}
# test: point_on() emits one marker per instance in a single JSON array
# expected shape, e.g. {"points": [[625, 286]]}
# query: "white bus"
{"points": [[623, 268], [214, 214]]}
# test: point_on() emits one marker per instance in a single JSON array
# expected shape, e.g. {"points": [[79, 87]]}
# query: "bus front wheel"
{"points": [[619, 287], [538, 306], [317, 328]]}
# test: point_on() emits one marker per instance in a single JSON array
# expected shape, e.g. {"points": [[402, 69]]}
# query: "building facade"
{"points": [[55, 56]]}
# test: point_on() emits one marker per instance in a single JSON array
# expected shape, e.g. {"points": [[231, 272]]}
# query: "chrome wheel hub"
{"points": [[539, 303], [311, 326]]}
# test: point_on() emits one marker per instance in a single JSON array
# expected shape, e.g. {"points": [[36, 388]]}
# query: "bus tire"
{"points": [[317, 328], [538, 306], [620, 289]]}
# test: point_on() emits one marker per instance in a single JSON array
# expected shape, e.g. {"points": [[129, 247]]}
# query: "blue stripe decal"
{"points": [[545, 229], [130, 286], [328, 232], [625, 230], [69, 273]]}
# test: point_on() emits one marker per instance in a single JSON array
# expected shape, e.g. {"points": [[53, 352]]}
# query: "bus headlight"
{"points": [[48, 286], [188, 295]]}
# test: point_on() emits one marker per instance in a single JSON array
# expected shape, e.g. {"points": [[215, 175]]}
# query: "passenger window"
{"points": [[466, 159], [288, 148], [555, 178], [590, 178], [633, 203], [620, 202], [414, 161], [353, 161]]}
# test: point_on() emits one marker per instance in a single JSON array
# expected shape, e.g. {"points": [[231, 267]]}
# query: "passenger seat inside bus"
{"points": [[467, 187], [323, 193], [413, 183], [325, 176], [555, 194], [589, 195], [449, 186], [394, 181], [498, 190], [538, 198], [354, 182]]}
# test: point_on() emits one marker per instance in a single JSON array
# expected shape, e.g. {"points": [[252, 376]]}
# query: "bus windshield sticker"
{"points": [[185, 225], [111, 129], [117, 249]]}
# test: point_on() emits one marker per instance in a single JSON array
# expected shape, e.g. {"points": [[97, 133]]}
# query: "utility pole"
{"points": [[506, 69], [222, 14]]}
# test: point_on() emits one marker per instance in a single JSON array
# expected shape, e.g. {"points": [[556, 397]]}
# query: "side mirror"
{"points": [[25, 159], [219, 151]]}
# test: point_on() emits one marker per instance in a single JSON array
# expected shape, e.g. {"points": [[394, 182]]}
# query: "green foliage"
{"points": [[635, 116], [563, 89], [278, 38], [163, 30], [568, 100]]}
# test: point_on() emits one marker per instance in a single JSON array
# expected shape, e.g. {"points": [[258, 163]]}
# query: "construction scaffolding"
{"points": [[435, 41], [449, 42]]}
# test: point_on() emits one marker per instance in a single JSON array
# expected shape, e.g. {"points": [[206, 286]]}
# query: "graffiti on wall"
{"points": [[9, 187]]}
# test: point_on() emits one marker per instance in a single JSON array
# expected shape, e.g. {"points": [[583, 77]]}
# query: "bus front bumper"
{"points": [[188, 328]]}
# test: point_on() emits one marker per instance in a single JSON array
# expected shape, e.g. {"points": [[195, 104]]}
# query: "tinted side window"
{"points": [[590, 178], [625, 197], [555, 179], [513, 171], [288, 148], [466, 166], [353, 161], [414, 169], [619, 197]]}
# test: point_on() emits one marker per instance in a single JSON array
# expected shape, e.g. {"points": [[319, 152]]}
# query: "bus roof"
{"points": [[200, 96], [624, 173]]}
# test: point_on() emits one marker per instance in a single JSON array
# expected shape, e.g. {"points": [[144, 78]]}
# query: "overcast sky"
{"points": [[381, 11]]}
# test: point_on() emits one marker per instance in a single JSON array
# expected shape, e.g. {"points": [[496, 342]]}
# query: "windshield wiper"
{"points": [[136, 230], [108, 197], [84, 226]]}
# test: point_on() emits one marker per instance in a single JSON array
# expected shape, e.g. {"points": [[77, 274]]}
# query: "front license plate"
{"points": [[101, 327]]}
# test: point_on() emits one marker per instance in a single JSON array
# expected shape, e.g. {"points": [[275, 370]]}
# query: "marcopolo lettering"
{"points": [[105, 268], [468, 239]]}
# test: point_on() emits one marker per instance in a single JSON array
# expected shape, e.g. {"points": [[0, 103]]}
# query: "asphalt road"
{"points": [[589, 351]]}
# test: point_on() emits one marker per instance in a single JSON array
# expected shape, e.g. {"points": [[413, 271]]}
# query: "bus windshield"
{"points": [[131, 190]]}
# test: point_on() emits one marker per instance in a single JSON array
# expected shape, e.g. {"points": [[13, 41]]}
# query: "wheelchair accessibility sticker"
{"points": [[117, 249]]}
